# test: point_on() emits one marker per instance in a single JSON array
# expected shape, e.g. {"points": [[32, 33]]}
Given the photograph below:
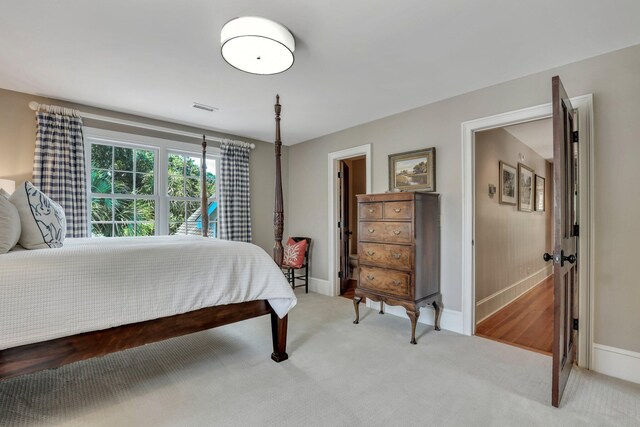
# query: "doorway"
{"points": [[333, 209], [352, 181], [513, 227], [584, 106]]}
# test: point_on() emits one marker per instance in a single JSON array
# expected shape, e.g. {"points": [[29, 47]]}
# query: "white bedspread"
{"points": [[93, 284]]}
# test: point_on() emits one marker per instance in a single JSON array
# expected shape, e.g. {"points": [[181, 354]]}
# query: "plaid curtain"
{"points": [[58, 167], [235, 204]]}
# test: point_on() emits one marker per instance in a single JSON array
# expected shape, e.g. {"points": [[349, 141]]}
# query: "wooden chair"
{"points": [[290, 272]]}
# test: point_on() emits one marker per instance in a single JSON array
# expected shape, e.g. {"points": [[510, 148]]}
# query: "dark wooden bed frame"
{"points": [[58, 352]]}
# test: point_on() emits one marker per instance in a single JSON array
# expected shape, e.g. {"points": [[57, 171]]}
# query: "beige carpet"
{"points": [[338, 374]]}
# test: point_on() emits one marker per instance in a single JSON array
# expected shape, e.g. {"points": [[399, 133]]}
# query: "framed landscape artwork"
{"points": [[413, 170], [508, 183], [539, 193], [525, 188]]}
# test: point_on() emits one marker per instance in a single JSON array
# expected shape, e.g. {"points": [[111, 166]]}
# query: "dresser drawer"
{"points": [[393, 256], [370, 210], [385, 232], [398, 210], [385, 281]]}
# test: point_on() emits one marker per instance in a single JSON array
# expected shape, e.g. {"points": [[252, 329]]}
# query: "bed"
{"points": [[96, 296]]}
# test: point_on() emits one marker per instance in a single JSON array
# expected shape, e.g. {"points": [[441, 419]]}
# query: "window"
{"points": [[185, 196], [141, 186], [123, 191]]}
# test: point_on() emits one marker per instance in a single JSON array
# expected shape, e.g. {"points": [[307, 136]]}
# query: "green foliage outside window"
{"points": [[130, 171]]}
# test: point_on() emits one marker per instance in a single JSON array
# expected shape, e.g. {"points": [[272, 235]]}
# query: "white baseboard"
{"points": [[497, 301], [450, 320], [616, 362], [320, 286]]}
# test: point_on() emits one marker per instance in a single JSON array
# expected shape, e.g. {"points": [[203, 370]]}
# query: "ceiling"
{"points": [[538, 135], [356, 61]]}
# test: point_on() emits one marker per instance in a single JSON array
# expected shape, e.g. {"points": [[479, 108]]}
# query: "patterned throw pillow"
{"points": [[294, 253], [9, 224], [43, 222]]}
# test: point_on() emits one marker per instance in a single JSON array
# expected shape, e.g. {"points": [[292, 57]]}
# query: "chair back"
{"points": [[306, 252]]}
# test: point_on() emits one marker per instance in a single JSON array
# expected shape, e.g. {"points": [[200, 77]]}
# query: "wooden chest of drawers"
{"points": [[399, 252]]}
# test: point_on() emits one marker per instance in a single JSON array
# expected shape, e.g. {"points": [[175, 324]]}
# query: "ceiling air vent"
{"points": [[204, 107]]}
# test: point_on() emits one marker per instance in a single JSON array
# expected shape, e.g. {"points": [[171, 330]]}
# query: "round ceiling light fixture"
{"points": [[257, 45]]}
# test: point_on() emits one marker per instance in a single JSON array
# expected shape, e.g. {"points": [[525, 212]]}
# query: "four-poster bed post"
{"points": [[204, 210], [278, 214]]}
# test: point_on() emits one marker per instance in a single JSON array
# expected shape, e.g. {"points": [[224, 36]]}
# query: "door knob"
{"points": [[546, 257], [571, 258]]}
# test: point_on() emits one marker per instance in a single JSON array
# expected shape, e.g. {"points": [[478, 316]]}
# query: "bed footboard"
{"points": [[30, 358]]}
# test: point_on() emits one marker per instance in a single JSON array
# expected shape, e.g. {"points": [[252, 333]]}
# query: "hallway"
{"points": [[527, 322]]}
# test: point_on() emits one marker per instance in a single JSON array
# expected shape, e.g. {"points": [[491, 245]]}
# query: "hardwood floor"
{"points": [[527, 322]]}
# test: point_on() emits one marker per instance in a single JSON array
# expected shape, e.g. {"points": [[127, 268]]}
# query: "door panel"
{"points": [[565, 262], [345, 233]]}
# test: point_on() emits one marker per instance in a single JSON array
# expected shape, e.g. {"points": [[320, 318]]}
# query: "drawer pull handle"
{"points": [[370, 277], [397, 232], [371, 230], [371, 253], [371, 210], [397, 282], [397, 210], [396, 256]]}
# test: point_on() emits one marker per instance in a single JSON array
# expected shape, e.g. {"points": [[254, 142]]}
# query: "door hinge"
{"points": [[339, 224], [575, 324], [339, 274], [575, 136], [339, 174], [576, 230]]}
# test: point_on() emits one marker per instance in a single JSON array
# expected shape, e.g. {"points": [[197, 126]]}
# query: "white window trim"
{"points": [[162, 147]]}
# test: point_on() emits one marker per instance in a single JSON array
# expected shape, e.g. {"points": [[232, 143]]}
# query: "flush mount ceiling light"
{"points": [[257, 45]]}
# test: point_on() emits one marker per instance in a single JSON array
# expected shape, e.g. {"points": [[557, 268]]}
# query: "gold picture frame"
{"points": [[540, 190], [508, 184], [413, 170], [525, 188]]}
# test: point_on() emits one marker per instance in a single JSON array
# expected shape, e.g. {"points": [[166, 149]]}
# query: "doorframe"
{"points": [[584, 105], [334, 157]]}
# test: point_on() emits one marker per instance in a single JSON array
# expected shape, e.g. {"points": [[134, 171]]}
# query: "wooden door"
{"points": [[343, 179], [565, 262]]}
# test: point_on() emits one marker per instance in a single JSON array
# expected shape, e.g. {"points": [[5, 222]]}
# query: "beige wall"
{"points": [[613, 80], [17, 145], [508, 243]]}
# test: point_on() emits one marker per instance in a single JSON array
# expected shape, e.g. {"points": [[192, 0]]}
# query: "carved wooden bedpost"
{"points": [[204, 209], [278, 214]]}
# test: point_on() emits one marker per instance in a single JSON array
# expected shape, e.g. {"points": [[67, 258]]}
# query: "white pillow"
{"points": [[9, 224], [43, 222]]}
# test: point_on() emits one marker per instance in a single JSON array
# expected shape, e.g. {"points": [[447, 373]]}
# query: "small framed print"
{"points": [[525, 188], [539, 193], [414, 170], [508, 182]]}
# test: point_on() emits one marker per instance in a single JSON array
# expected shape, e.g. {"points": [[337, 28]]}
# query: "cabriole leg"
{"points": [[413, 316], [438, 308], [279, 337], [356, 301]]}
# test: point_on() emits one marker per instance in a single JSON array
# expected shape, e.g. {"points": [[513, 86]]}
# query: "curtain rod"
{"points": [[36, 106]]}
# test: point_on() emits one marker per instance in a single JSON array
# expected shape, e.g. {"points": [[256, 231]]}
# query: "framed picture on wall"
{"points": [[525, 188], [508, 183], [413, 170], [539, 193]]}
